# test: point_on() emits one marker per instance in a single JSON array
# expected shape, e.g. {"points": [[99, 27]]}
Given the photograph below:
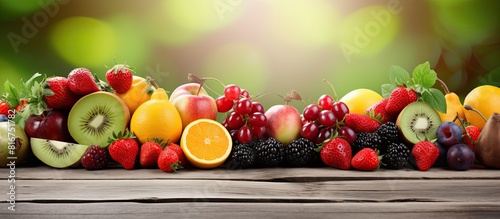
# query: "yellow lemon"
{"points": [[157, 118], [485, 99], [206, 143], [139, 92], [360, 99]]}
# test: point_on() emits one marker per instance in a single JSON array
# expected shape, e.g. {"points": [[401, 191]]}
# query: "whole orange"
{"points": [[485, 99], [157, 118], [139, 92]]}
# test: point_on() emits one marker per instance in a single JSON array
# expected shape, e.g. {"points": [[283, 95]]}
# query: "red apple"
{"points": [[193, 102], [52, 125], [283, 123]]}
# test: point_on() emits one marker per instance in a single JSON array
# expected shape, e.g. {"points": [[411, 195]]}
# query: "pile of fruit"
{"points": [[80, 120]]}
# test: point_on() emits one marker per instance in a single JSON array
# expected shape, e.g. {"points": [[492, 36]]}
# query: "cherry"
{"points": [[311, 112], [235, 120], [244, 135], [325, 101], [258, 119], [327, 118], [348, 133], [232, 92], [309, 130], [257, 107], [340, 109], [223, 104], [243, 106]]}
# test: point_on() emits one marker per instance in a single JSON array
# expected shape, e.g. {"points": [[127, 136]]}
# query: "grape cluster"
{"points": [[245, 118], [322, 120]]}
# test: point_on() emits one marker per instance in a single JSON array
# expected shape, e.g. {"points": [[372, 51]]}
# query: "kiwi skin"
{"points": [[75, 118], [422, 114]]}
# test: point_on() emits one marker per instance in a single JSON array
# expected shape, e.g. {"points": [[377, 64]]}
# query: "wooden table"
{"points": [[43, 192]]}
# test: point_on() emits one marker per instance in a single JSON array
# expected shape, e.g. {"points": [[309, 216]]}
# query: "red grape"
{"points": [[325, 101], [327, 118], [245, 93], [243, 106], [311, 112], [257, 107], [258, 119], [244, 135], [348, 134], [309, 130], [323, 135], [235, 120], [340, 109], [232, 92], [223, 104], [258, 132]]}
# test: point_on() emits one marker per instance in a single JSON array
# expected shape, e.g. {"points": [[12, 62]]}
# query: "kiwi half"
{"points": [[418, 121], [57, 154], [94, 118]]}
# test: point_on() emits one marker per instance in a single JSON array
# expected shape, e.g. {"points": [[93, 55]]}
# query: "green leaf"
{"points": [[387, 89], [424, 76], [398, 75], [12, 96], [435, 98]]}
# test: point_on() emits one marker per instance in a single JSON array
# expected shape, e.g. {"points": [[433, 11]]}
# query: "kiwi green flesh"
{"points": [[57, 154], [418, 122], [94, 118]]}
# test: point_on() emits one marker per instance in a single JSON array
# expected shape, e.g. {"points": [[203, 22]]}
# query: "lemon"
{"points": [[485, 99], [360, 99], [157, 118]]}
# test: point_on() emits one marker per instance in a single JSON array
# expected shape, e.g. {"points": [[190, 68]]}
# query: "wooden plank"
{"points": [[255, 210], [168, 190], [265, 174]]}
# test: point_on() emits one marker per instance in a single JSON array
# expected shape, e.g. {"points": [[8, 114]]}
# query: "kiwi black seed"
{"points": [[57, 154], [94, 118], [418, 121]]}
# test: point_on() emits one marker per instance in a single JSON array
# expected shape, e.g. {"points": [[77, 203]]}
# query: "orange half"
{"points": [[206, 143]]}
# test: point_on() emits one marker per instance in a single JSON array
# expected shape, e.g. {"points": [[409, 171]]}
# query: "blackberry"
{"points": [[95, 158], [397, 156], [299, 152], [242, 156], [367, 140], [388, 132], [269, 153]]}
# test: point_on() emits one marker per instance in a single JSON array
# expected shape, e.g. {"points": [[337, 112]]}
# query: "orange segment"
{"points": [[206, 143]]}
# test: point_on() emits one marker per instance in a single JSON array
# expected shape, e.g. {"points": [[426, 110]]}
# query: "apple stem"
{"points": [[443, 85], [335, 97], [152, 82], [199, 89], [467, 107]]}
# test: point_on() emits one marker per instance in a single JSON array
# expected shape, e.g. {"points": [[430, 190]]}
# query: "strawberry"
{"points": [[399, 99], [56, 93], [150, 151], [472, 132], [182, 158], [4, 108], [425, 154], [22, 104], [123, 149], [337, 153], [95, 158], [366, 159], [120, 78], [168, 161], [82, 82], [378, 111], [361, 123]]}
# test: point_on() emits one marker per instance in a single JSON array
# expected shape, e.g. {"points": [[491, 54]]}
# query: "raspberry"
{"points": [[95, 158]]}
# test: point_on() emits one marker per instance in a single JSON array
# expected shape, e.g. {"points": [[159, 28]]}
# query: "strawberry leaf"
{"points": [[12, 98], [435, 98], [387, 89], [398, 75], [424, 76]]}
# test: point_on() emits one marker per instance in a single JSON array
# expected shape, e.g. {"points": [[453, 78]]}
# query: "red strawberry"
{"points": [[366, 159], [150, 151], [472, 132], [95, 158], [399, 99], [182, 158], [120, 78], [4, 108], [82, 82], [124, 149], [425, 154], [168, 161], [337, 153], [361, 123], [22, 104], [57, 94], [378, 111]]}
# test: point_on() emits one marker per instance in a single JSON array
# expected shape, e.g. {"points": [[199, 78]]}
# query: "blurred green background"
{"points": [[265, 46]]}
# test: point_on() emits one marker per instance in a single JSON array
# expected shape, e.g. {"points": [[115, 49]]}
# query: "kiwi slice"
{"points": [[418, 121], [94, 118], [57, 154]]}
